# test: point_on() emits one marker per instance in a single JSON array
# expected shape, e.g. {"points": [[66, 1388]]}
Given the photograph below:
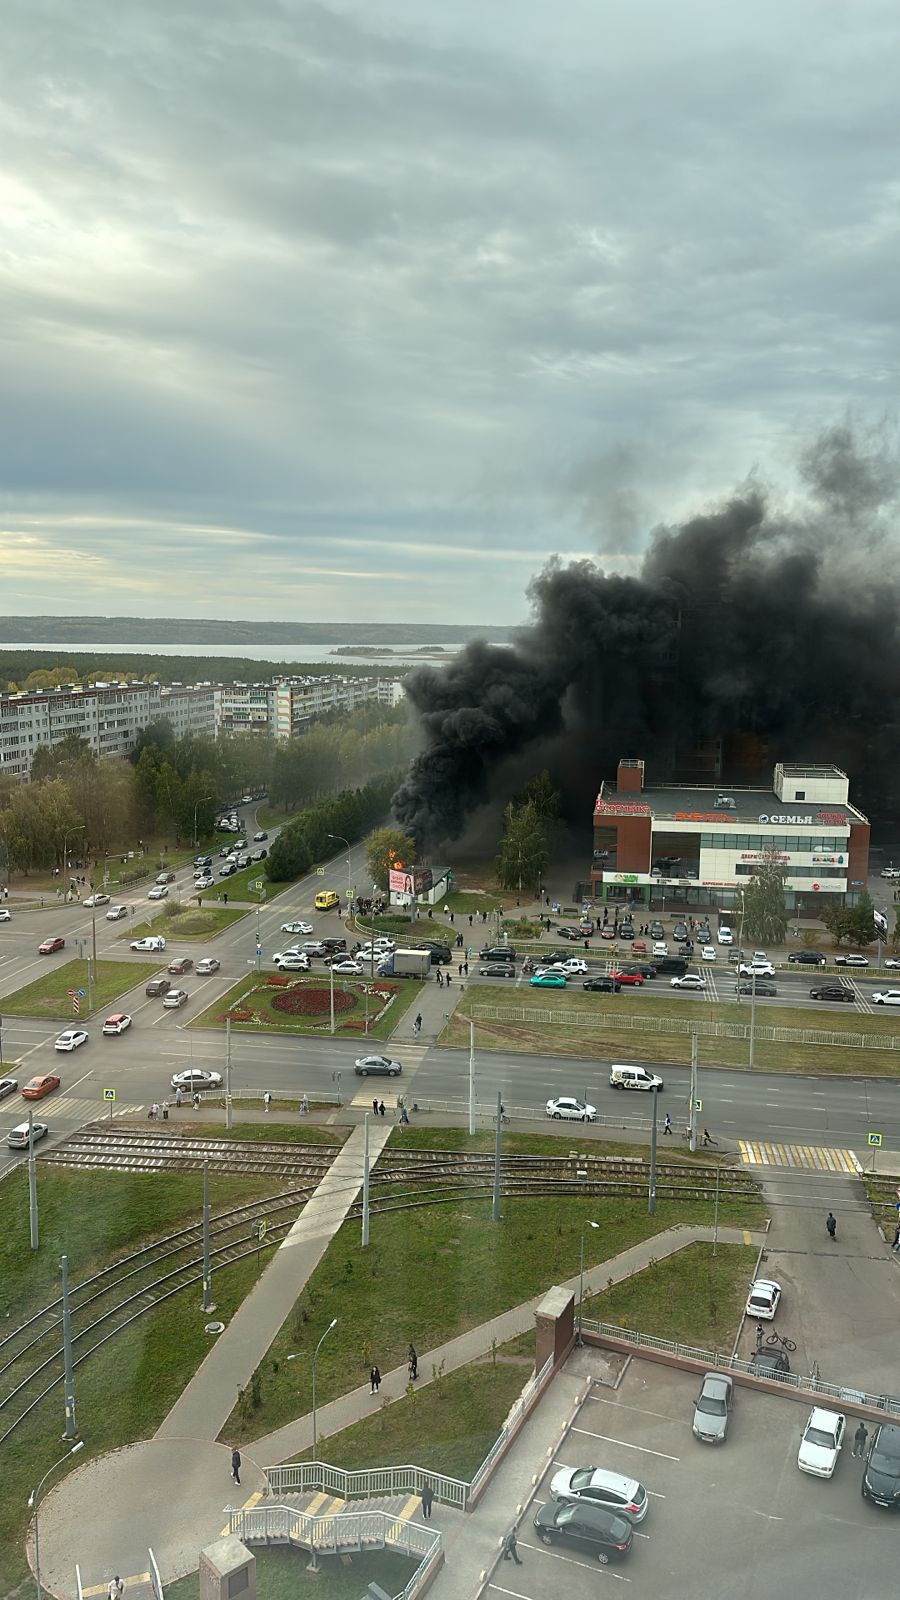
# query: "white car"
{"points": [[71, 1039], [756, 969], [708, 953], [347, 968], [763, 1300], [5, 916], [575, 966], [725, 936], [608, 1491], [17, 1138], [688, 980], [821, 1443], [203, 883], [153, 941], [892, 961], [296, 927], [116, 913], [851, 961], [890, 872], [887, 997], [196, 1078], [572, 1110], [290, 961], [160, 891], [660, 948], [96, 900], [116, 1023], [174, 999], [207, 965]]}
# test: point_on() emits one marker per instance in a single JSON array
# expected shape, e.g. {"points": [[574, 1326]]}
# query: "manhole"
{"points": [[214, 1327]]}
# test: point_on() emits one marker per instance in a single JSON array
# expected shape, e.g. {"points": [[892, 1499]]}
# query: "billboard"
{"points": [[410, 880]]}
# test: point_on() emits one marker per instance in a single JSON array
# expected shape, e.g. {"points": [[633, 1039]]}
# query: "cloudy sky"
{"points": [[326, 312]]}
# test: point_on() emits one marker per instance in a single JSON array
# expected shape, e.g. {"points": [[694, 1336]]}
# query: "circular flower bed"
{"points": [[303, 1001]]}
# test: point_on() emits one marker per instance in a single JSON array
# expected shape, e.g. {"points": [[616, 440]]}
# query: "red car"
{"points": [[180, 964], [36, 1088], [609, 933], [49, 946], [629, 977]]}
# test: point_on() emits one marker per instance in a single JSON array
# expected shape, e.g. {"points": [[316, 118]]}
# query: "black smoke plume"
{"points": [[772, 632]]}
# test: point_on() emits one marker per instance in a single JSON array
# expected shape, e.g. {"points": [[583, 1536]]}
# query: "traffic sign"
{"points": [[109, 1094], [320, 872], [698, 1105], [348, 894], [261, 1230], [81, 994], [876, 1140], [256, 885]]}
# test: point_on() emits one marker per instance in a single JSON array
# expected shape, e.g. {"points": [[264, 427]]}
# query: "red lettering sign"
{"points": [[703, 816]]}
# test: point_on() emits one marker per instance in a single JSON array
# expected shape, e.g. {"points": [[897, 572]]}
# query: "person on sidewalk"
{"points": [[381, 1110], [667, 1125], [895, 1242], [236, 1464], [115, 1588], [859, 1440], [759, 1335], [419, 1023], [375, 1105], [427, 1498], [179, 1097], [510, 1548], [413, 1360], [375, 1380]]}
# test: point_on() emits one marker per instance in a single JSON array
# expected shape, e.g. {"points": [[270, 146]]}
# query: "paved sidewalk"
{"points": [[206, 1403]]}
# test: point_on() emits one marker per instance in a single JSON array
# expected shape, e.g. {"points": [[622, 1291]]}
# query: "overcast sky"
{"points": [[361, 311]]}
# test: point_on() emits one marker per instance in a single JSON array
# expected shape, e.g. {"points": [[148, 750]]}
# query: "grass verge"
{"points": [[389, 1000], [695, 1297], [281, 1575], [193, 922], [49, 996]]}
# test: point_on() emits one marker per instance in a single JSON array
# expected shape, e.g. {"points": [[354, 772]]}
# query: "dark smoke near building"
{"points": [[751, 635]]}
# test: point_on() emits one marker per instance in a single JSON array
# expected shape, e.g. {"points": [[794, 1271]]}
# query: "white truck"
{"points": [[405, 964]]}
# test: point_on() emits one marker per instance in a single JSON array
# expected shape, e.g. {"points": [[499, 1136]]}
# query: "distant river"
{"points": [[107, 653]]}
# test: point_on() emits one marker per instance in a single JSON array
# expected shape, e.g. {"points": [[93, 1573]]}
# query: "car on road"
{"points": [[228, 870], [50, 946], [208, 965], [892, 961], [36, 1088], [203, 861], [17, 1138], [158, 892], [886, 997], [600, 1533], [626, 1497], [117, 1023], [708, 952], [296, 927], [8, 1086], [203, 883], [712, 1408], [851, 961], [763, 1299], [761, 987], [71, 1039], [165, 877], [345, 968], [194, 1078], [261, 837], [756, 969], [546, 979], [572, 966], [313, 947], [175, 998], [769, 1363], [116, 913], [631, 979], [96, 900], [807, 958], [180, 964], [377, 1066], [290, 961], [643, 968], [688, 980], [820, 1444], [502, 952], [725, 935], [151, 941], [566, 1108], [602, 985], [881, 1473], [5, 915], [496, 969], [832, 991], [157, 987]]}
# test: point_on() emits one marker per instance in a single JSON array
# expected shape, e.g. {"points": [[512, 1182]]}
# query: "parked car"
{"points": [[43, 1084], [626, 1497], [151, 941], [180, 964], [207, 965], [763, 1299], [769, 1363], [117, 1023], [881, 1473], [660, 947], [851, 961], [567, 1108], [832, 991], [820, 1444], [602, 1534], [725, 935], [807, 958], [712, 1408], [174, 999], [71, 1039], [680, 933], [116, 913], [367, 1066], [570, 933], [708, 952], [657, 931], [194, 1078], [17, 1138], [50, 946]]}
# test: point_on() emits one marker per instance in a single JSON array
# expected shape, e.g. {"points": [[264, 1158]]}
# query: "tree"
{"points": [[523, 855], [386, 848], [51, 761], [861, 921], [765, 913], [539, 791]]}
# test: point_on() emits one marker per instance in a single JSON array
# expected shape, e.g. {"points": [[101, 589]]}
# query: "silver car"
{"points": [[712, 1408]]}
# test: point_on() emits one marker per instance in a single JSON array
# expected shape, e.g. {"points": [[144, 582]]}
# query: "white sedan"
{"points": [[571, 1110], [725, 936], [660, 948], [96, 900], [851, 961], [116, 913], [159, 891], [689, 980], [296, 927], [887, 997], [348, 969], [764, 1299], [71, 1039], [290, 961], [708, 953], [5, 916], [821, 1443]]}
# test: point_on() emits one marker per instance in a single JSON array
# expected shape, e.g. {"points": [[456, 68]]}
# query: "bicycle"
{"points": [[786, 1344]]}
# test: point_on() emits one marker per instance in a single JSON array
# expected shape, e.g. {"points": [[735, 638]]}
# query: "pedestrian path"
{"points": [[206, 1403], [818, 1158]]}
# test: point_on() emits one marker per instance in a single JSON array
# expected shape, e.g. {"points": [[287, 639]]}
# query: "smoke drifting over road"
{"points": [[775, 631]]}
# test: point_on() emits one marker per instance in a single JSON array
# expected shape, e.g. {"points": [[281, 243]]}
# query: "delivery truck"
{"points": [[405, 964]]}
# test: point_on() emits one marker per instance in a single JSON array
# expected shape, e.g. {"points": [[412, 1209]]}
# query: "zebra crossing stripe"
{"points": [[809, 1157]]}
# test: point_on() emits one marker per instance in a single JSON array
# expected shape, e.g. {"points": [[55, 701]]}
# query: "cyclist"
{"points": [[831, 1225]]}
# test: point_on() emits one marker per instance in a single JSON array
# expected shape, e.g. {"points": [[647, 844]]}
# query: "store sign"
{"points": [[704, 816], [628, 877], [834, 819], [623, 808], [828, 860], [792, 822], [760, 855]]}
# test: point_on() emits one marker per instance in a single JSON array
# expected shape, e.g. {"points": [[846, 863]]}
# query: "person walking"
{"points": [[236, 1464], [759, 1335], [448, 980], [667, 1125], [115, 1588], [267, 1101], [375, 1380], [459, 970], [413, 1361], [465, 969], [179, 1097], [380, 1108], [440, 978], [895, 1242], [510, 1548], [419, 1022], [859, 1440], [427, 1498], [831, 1225], [375, 1105]]}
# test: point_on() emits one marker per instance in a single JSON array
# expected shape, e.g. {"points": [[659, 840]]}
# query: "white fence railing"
{"points": [[155, 1579], [625, 1022], [335, 1534], [298, 1477]]}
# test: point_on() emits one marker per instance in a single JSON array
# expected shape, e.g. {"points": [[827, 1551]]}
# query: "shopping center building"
{"points": [[687, 846]]}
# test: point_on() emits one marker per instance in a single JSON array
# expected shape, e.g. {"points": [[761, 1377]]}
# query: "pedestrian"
{"points": [[404, 1117], [380, 1108], [375, 1105], [859, 1440], [165, 1110], [413, 1362], [196, 1101], [427, 1499], [465, 969], [446, 911], [115, 1588], [707, 1136], [831, 1225], [470, 924], [510, 1548], [895, 1242], [304, 1106], [452, 917], [459, 969], [267, 1101], [587, 944], [448, 980], [759, 1335], [225, 899], [439, 977], [667, 1125], [375, 1380], [419, 1022], [236, 1464], [179, 1097]]}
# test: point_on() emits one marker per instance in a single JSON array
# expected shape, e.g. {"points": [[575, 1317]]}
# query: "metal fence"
{"points": [[625, 1022], [336, 1534], [301, 1476], [809, 1383], [155, 1579], [513, 1422]]}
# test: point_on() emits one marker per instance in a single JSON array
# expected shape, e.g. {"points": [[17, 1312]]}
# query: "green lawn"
{"points": [[462, 904], [281, 1575], [695, 1297], [48, 996], [252, 993], [194, 922], [604, 1039], [401, 928], [237, 887], [293, 1132]]}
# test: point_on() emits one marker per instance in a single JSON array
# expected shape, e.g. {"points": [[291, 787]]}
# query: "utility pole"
{"points": [[495, 1211], [365, 1197], [331, 976], [752, 1016], [207, 1285], [229, 1112], [716, 1212], [651, 1198], [69, 1390], [471, 1076], [693, 1115], [32, 1184]]}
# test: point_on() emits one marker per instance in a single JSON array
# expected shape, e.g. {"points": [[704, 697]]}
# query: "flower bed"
{"points": [[241, 1014], [303, 1001], [277, 980]]}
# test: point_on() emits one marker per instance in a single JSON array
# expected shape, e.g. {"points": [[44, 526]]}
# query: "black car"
{"points": [[602, 985], [807, 958], [764, 990], [332, 945], [604, 1535], [497, 969], [657, 931], [881, 1474], [703, 934], [676, 965], [769, 1363], [680, 933], [440, 953], [626, 930], [502, 952], [832, 991]]}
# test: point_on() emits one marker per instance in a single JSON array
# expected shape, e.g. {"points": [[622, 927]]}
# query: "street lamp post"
{"points": [[79, 828], [313, 1566], [581, 1276], [340, 836], [34, 1505], [201, 802]]}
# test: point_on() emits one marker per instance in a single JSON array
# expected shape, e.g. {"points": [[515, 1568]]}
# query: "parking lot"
{"points": [[737, 1519]]}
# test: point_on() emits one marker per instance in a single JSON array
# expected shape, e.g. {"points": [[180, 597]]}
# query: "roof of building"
{"points": [[687, 803]]}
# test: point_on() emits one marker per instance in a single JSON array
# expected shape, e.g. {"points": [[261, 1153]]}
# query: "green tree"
{"points": [[540, 792], [765, 913], [385, 848], [861, 921], [51, 760], [523, 855]]}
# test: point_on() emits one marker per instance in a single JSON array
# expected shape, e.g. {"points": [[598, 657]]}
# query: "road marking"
{"points": [[83, 1079], [557, 1555], [643, 1449], [818, 1158]]}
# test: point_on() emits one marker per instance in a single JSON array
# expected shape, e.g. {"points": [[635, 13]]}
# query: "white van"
{"points": [[633, 1078]]}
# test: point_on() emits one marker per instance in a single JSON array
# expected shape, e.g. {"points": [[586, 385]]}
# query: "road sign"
{"points": [[348, 894], [109, 1094], [81, 994], [876, 1140], [698, 1105], [320, 872], [256, 885], [262, 1230]]}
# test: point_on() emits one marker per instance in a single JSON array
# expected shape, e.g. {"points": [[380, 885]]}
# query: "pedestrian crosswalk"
{"points": [[816, 1158], [381, 1088]]}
